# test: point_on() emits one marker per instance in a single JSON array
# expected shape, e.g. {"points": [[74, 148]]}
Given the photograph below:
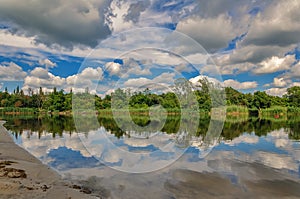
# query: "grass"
{"points": [[233, 111], [293, 111], [237, 110], [275, 111], [17, 111]]}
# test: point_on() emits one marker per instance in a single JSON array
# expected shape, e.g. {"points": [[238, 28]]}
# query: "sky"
{"points": [[105, 44]]}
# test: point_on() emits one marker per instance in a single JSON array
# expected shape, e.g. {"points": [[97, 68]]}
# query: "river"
{"points": [[251, 157]]}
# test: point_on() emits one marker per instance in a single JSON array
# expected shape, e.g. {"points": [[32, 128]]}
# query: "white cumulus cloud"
{"points": [[113, 68], [275, 64], [86, 78], [240, 85], [11, 72], [279, 82], [162, 81], [276, 91], [40, 77], [47, 63]]}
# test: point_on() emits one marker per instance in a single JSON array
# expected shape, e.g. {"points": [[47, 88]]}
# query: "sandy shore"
{"points": [[24, 176]]}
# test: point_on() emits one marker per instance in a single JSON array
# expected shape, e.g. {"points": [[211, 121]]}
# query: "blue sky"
{"points": [[102, 44]]}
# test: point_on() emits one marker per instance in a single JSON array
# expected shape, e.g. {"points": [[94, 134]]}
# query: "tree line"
{"points": [[183, 96]]}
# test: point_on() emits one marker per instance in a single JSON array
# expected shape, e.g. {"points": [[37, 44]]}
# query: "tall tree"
{"points": [[41, 91], [18, 90], [293, 96], [261, 100]]}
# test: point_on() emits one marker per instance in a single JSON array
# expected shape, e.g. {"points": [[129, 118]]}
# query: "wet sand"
{"points": [[24, 176]]}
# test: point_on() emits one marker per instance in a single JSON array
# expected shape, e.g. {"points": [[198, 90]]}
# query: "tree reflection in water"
{"points": [[233, 126]]}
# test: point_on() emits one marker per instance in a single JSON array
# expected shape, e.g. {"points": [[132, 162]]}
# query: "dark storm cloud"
{"points": [[135, 10], [278, 25], [57, 22]]}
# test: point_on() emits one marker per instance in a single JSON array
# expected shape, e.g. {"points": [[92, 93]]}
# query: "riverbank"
{"points": [[24, 176], [231, 110]]}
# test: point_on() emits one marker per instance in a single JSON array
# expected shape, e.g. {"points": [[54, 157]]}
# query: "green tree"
{"points": [[106, 102], [261, 100], [139, 100], [17, 90], [293, 96], [203, 94], [184, 91], [169, 100], [234, 97], [119, 98], [41, 91]]}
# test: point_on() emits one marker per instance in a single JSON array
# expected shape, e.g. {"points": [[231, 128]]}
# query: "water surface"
{"points": [[251, 158]]}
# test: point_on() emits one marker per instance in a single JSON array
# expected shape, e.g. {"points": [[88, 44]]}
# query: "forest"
{"points": [[61, 101]]}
